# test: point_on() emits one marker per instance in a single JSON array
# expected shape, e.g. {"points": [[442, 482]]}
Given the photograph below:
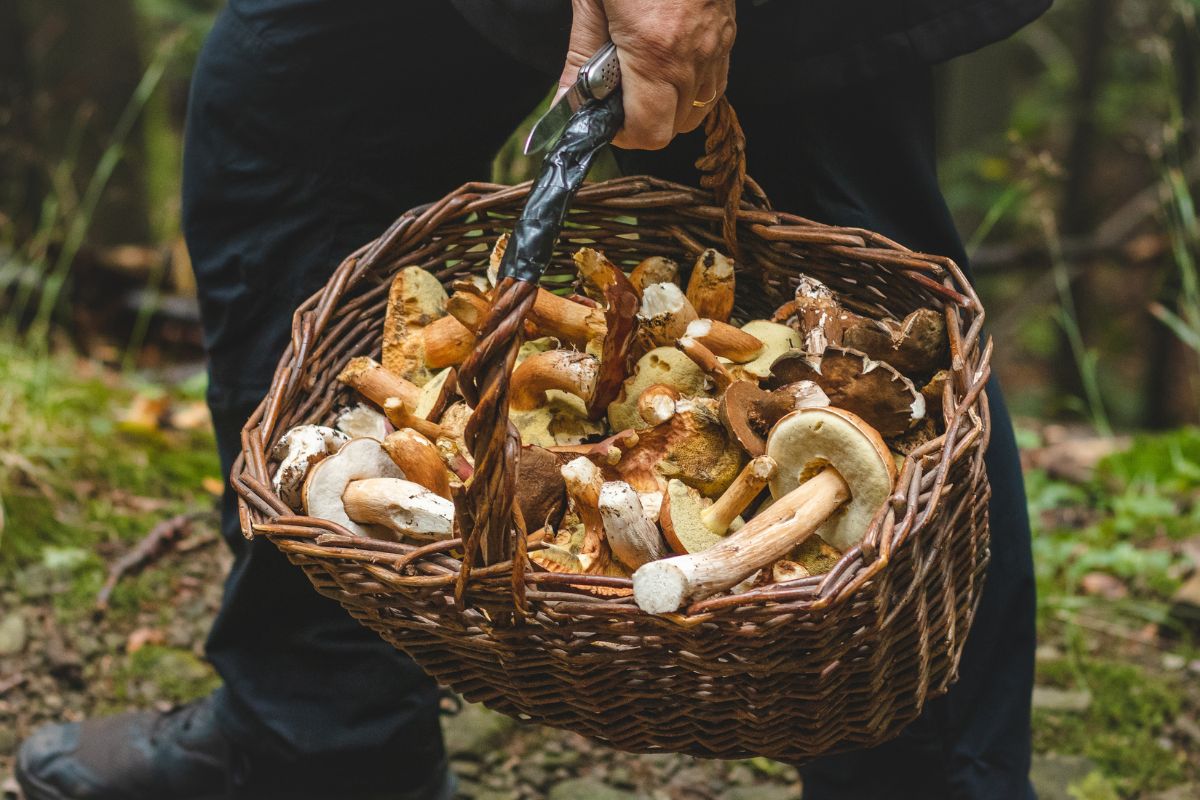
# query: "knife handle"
{"points": [[601, 74]]}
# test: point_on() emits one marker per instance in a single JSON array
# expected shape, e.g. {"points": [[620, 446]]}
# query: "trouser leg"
{"points": [[287, 170], [866, 158]]}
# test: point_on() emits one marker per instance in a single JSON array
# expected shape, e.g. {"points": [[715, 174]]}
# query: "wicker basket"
{"points": [[829, 663]]}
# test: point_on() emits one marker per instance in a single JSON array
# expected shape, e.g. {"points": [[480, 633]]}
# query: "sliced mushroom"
{"points": [[419, 460], [633, 537], [664, 314], [358, 459], [657, 403], [814, 439], [662, 365], [725, 340], [776, 340], [360, 420], [405, 508], [297, 451], [692, 446], [711, 286], [655, 269], [873, 390], [691, 524]]}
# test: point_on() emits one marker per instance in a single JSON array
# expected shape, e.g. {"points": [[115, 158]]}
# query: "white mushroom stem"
{"points": [[665, 313], [401, 416], [565, 370], [707, 361], [741, 493], [664, 586], [362, 421], [634, 539], [725, 340], [583, 482], [711, 286], [657, 404], [404, 507]]}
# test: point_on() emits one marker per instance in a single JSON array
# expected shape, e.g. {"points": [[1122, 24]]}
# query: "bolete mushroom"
{"points": [[834, 475], [692, 446], [873, 390], [541, 491], [655, 269], [749, 412], [707, 361], [632, 536], [916, 345], [710, 288], [549, 392], [417, 334], [691, 524], [405, 508], [358, 459], [419, 460], [664, 314], [360, 420], [657, 403], [776, 340], [662, 365], [725, 340], [620, 321], [297, 451], [377, 383]]}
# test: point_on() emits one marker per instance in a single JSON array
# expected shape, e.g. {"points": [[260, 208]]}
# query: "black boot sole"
{"points": [[32, 789]]}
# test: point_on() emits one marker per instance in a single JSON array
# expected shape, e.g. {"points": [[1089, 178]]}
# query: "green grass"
{"points": [[1122, 730], [72, 477]]}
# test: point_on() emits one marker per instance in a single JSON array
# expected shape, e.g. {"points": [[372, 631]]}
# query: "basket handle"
{"points": [[488, 519]]}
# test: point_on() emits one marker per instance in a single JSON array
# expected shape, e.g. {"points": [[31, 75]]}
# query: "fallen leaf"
{"points": [[214, 486], [141, 637], [190, 416], [145, 413]]}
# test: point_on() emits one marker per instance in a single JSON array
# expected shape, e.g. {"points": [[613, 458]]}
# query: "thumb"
{"points": [[589, 31]]}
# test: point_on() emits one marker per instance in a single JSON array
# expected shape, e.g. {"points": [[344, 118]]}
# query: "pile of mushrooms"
{"points": [[660, 440]]}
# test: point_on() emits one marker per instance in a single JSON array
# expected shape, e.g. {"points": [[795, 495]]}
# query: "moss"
{"points": [[1123, 728], [155, 673]]}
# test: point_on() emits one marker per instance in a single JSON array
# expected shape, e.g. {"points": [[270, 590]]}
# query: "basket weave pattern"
{"points": [[829, 663]]}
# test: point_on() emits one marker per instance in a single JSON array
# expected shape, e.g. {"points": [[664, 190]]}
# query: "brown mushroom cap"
{"points": [[807, 441], [359, 459], [917, 345], [748, 412], [655, 269], [541, 492], [873, 390]]}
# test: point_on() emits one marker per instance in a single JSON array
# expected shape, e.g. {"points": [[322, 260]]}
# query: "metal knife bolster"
{"points": [[600, 75]]}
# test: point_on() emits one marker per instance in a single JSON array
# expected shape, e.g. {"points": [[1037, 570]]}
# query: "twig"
{"points": [[160, 539]]}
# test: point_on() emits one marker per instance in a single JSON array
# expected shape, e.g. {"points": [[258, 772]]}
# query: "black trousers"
{"points": [[294, 157]]}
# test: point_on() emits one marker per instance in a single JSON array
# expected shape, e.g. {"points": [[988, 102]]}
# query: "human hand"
{"points": [[672, 52]]}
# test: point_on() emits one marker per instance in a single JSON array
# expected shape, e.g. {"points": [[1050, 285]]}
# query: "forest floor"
{"points": [[91, 460]]}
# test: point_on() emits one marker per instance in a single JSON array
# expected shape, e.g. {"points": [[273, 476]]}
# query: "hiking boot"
{"points": [[177, 755]]}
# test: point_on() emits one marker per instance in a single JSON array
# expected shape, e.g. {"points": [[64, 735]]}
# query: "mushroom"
{"points": [[360, 420], [655, 269], [631, 535], [692, 446], [833, 475], [604, 453], [549, 392], [664, 314], [710, 288], [620, 320], [377, 384], [419, 460], [873, 390], [691, 524], [417, 334], [583, 482], [358, 459], [405, 508], [657, 403], [916, 345], [725, 340], [496, 258], [776, 340], [469, 308], [563, 556], [748, 412], [541, 492], [662, 365], [297, 451], [401, 416], [707, 361], [833, 439]]}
